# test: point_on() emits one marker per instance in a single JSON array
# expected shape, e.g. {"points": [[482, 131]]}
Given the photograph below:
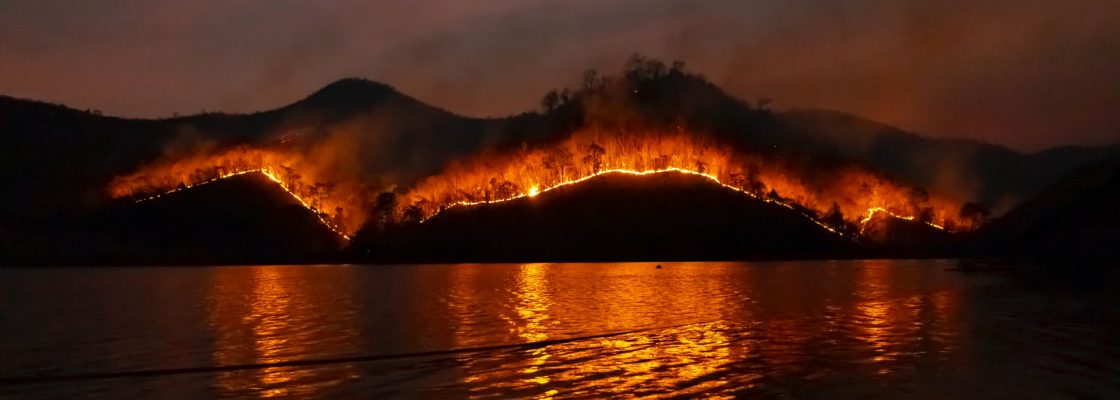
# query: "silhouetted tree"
{"points": [[640, 68], [385, 209], [594, 157], [504, 189], [925, 214], [834, 217], [558, 161], [678, 67], [339, 219], [551, 101], [592, 81], [737, 180], [754, 184], [287, 175], [412, 214]]}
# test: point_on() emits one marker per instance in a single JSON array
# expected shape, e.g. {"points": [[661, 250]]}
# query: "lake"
{"points": [[816, 329]]}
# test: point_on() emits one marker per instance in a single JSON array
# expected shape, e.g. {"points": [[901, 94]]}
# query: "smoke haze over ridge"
{"points": [[1027, 74]]}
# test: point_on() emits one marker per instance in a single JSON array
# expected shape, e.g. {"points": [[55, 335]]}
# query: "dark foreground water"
{"points": [[878, 329]]}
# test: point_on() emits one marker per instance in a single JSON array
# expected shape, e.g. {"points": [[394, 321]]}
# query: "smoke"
{"points": [[1030, 73], [188, 141]]}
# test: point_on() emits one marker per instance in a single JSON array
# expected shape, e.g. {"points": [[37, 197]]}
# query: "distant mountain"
{"points": [[967, 169], [669, 216], [1075, 221]]}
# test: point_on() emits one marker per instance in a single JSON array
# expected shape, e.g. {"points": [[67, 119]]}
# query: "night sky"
{"points": [[1025, 73]]}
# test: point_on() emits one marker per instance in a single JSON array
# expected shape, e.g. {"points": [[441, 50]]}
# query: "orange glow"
{"points": [[342, 202], [336, 203], [267, 323], [858, 192]]}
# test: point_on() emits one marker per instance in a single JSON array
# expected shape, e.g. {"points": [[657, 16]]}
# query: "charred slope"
{"points": [[667, 216], [1074, 222], [244, 219]]}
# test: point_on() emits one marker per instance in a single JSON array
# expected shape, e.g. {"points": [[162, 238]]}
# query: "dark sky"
{"points": [[1024, 73]]}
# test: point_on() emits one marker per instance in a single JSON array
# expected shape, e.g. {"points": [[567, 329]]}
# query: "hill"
{"points": [[667, 216], [66, 157], [968, 169], [244, 219], [1074, 222], [58, 161]]}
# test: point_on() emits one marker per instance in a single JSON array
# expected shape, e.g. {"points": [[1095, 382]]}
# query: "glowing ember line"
{"points": [[871, 214], [536, 191], [272, 177]]}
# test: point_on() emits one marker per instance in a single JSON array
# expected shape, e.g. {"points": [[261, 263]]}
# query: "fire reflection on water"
{"points": [[844, 329], [679, 358], [273, 319], [707, 329], [895, 324]]}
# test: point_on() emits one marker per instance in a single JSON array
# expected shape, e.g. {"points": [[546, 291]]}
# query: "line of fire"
{"points": [[841, 198]]}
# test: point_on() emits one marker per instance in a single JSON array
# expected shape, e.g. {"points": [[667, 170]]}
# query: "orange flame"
{"points": [[857, 192], [338, 205]]}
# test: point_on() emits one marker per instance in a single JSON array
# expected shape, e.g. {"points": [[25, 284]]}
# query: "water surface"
{"points": [[878, 329]]}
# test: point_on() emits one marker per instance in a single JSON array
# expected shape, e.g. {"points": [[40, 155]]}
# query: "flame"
{"points": [[341, 213], [858, 193], [841, 197]]}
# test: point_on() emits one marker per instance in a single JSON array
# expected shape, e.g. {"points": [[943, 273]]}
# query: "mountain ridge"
{"points": [[68, 156]]}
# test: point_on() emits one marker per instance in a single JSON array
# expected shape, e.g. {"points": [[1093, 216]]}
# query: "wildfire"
{"points": [[534, 191], [271, 176], [841, 198], [853, 193], [871, 214], [341, 214]]}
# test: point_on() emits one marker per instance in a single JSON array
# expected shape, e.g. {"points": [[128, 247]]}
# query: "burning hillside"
{"points": [[613, 216], [841, 197], [339, 204], [649, 119]]}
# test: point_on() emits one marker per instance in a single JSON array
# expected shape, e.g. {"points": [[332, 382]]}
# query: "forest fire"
{"points": [[841, 199], [338, 205]]}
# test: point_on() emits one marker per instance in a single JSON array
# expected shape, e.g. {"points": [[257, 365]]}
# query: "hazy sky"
{"points": [[1025, 73]]}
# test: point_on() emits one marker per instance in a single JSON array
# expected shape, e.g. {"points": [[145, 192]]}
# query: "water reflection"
{"points": [[270, 314], [707, 328], [775, 330], [898, 322], [531, 308], [678, 353]]}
